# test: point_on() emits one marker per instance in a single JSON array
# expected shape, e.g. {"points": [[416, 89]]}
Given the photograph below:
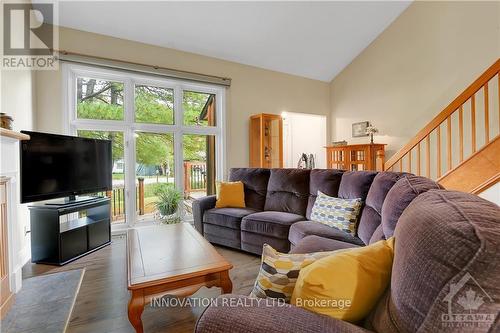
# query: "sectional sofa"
{"points": [[279, 203], [446, 250]]}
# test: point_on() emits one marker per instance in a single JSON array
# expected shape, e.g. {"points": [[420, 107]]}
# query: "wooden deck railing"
{"points": [[429, 155], [195, 177], [195, 180], [117, 196]]}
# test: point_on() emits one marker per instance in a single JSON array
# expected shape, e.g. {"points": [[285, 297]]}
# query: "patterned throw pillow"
{"points": [[279, 271], [336, 212]]}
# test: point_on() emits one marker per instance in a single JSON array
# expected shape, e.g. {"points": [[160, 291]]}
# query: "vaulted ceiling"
{"points": [[310, 39]]}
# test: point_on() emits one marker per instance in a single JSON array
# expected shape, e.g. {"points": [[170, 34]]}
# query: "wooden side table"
{"points": [[356, 157]]}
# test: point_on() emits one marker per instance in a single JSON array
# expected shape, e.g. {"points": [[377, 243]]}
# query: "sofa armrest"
{"points": [[199, 207], [235, 314]]}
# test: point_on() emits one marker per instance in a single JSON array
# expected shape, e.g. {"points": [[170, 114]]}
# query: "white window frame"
{"points": [[71, 124]]}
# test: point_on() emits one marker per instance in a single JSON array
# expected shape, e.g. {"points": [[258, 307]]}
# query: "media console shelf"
{"points": [[63, 233]]}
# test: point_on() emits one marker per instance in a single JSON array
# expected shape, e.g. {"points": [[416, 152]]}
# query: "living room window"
{"points": [[165, 133], [99, 99]]}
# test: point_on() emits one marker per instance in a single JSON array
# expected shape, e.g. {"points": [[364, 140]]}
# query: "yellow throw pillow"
{"points": [[230, 194], [346, 285]]}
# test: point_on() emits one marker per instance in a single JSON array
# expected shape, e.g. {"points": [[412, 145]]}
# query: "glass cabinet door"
{"points": [[272, 143]]}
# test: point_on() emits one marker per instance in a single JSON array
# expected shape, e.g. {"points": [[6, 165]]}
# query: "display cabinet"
{"points": [[266, 141]]}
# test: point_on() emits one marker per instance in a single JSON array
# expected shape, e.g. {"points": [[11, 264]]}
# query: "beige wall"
{"points": [[253, 90], [415, 68], [17, 98]]}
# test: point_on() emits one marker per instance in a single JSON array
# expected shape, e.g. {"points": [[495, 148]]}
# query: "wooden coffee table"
{"points": [[170, 259]]}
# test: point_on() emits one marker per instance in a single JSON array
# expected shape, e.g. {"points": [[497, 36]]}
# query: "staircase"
{"points": [[460, 147]]}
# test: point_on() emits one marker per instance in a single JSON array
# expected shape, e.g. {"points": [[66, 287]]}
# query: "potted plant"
{"points": [[167, 204]]}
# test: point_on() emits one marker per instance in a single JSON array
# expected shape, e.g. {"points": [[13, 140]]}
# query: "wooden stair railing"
{"points": [[476, 173], [469, 133]]}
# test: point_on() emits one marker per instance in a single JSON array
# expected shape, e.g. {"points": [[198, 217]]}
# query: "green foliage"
{"points": [[154, 105], [192, 104], [99, 110], [154, 149], [103, 100], [150, 190], [168, 199], [115, 137]]}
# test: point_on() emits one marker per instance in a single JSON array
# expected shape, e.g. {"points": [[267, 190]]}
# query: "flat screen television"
{"points": [[57, 166]]}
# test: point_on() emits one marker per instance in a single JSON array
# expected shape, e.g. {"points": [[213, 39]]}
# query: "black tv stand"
{"points": [[65, 232]]}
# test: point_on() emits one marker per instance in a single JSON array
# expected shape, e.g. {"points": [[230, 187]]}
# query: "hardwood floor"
{"points": [[101, 304]]}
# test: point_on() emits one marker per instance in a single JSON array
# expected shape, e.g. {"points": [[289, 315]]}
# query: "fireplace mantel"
{"points": [[6, 133], [13, 221]]}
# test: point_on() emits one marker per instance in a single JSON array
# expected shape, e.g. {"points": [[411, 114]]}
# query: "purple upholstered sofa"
{"points": [[279, 204], [445, 274]]}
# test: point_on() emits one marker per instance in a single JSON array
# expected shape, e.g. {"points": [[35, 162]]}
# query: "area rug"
{"points": [[44, 303]]}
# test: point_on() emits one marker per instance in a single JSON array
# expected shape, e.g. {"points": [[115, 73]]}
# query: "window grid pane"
{"points": [[154, 105], [198, 108], [99, 99]]}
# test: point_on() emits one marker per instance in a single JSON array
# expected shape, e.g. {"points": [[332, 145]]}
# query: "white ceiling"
{"points": [[310, 39]]}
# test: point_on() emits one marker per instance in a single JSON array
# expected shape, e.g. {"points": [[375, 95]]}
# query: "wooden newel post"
{"points": [[187, 179], [141, 195], [379, 160], [109, 194]]}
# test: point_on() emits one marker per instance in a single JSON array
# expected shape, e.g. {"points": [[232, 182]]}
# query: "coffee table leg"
{"points": [[225, 282], [135, 308]]}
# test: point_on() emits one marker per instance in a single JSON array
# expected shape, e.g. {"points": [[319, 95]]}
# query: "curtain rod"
{"points": [[79, 58]]}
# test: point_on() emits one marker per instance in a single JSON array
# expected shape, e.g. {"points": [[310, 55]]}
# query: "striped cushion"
{"points": [[279, 271], [336, 212]]}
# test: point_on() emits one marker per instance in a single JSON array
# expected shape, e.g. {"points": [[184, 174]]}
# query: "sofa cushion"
{"points": [[400, 196], [446, 248], [355, 184], [255, 181], [315, 243], [275, 224], [288, 191], [371, 217], [253, 243], [324, 180], [302, 229], [222, 235], [377, 235], [227, 217]]}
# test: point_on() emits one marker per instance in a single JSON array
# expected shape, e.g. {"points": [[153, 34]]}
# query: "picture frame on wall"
{"points": [[359, 129]]}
